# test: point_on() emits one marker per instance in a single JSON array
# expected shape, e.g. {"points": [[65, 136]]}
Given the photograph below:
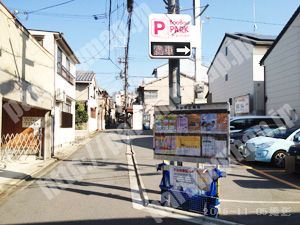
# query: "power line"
{"points": [[48, 7], [245, 21], [93, 57]]}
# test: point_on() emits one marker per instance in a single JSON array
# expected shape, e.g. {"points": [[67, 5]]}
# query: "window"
{"points": [[239, 124], [226, 51], [150, 94], [59, 60], [66, 115], [67, 106], [93, 112], [226, 77], [68, 64]]}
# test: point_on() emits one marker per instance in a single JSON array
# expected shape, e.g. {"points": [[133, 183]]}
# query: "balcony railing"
{"points": [[62, 71]]}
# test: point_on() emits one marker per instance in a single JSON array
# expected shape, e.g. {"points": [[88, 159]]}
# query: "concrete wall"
{"points": [[282, 72]]}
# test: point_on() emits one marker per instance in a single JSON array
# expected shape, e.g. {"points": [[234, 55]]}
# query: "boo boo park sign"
{"points": [[170, 36]]}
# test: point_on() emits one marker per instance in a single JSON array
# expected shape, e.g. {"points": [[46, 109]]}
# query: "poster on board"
{"points": [[220, 148], [222, 123], [158, 124], [165, 145], [209, 123], [188, 145], [208, 146], [182, 124], [194, 123], [172, 123]]}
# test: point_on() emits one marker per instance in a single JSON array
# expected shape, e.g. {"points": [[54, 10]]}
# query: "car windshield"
{"points": [[281, 132], [263, 130]]}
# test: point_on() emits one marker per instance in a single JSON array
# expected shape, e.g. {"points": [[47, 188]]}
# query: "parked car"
{"points": [[240, 123], [274, 146], [295, 152], [238, 139]]}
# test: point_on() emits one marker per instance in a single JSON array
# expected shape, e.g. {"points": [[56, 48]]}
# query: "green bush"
{"points": [[81, 116]]}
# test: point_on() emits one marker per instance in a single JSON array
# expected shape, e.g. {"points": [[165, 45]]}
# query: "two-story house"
{"points": [[281, 64], [87, 93], [156, 93], [26, 91], [235, 75], [64, 84]]}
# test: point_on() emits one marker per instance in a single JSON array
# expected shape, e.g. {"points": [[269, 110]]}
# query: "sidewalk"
{"points": [[16, 172]]}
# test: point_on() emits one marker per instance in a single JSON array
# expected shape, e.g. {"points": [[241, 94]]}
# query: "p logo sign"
{"points": [[159, 27]]}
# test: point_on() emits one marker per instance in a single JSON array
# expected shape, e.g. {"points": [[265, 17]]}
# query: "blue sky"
{"points": [[75, 19]]}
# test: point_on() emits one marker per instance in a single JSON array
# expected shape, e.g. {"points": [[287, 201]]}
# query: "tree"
{"points": [[81, 116]]}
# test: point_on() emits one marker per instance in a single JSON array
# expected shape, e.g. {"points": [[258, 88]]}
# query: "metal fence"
{"points": [[13, 146]]}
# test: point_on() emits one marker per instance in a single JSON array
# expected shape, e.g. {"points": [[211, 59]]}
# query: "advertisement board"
{"points": [[192, 178], [241, 104], [192, 133]]}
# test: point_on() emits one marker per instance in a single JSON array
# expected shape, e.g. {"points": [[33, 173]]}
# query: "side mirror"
{"points": [[296, 138]]}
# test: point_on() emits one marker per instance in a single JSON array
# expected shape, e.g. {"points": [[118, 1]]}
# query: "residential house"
{"points": [[64, 81], [26, 90], [156, 93], [281, 64], [86, 92], [119, 98], [187, 67], [235, 75]]}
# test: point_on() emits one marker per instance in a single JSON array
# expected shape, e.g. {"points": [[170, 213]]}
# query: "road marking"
{"points": [[268, 175], [273, 171], [260, 202]]}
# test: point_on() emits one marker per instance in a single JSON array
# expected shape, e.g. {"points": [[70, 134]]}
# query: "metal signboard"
{"points": [[192, 133], [241, 104], [170, 36]]}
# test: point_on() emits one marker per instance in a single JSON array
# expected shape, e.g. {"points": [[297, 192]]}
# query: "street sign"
{"points": [[169, 36]]}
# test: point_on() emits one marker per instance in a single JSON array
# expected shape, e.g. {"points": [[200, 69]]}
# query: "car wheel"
{"points": [[278, 159], [242, 150]]}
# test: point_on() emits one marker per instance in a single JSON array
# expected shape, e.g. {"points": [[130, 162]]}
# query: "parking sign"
{"points": [[169, 36]]}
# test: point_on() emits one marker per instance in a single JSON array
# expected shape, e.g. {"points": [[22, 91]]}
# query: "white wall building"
{"points": [[86, 92], [187, 67], [26, 88], [235, 75], [64, 81], [282, 72], [157, 93]]}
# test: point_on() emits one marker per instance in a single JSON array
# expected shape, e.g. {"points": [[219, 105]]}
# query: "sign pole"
{"points": [[174, 69]]}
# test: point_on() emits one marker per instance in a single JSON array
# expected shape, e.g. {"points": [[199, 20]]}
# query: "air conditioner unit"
{"points": [[60, 95]]}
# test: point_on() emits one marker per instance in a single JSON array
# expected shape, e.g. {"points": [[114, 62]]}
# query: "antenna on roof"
{"points": [[254, 24]]}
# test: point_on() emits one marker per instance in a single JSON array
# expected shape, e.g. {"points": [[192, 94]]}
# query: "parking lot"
{"points": [[258, 193], [252, 193]]}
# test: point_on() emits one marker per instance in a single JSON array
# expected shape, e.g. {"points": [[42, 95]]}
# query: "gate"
{"points": [[13, 146]]}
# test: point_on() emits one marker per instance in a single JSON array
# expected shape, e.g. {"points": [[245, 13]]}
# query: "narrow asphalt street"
{"points": [[90, 187]]}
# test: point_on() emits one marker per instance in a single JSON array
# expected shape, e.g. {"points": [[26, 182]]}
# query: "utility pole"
{"points": [[174, 70], [174, 65], [198, 25]]}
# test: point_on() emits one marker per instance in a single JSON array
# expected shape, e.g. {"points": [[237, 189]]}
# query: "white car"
{"points": [[273, 147]]}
